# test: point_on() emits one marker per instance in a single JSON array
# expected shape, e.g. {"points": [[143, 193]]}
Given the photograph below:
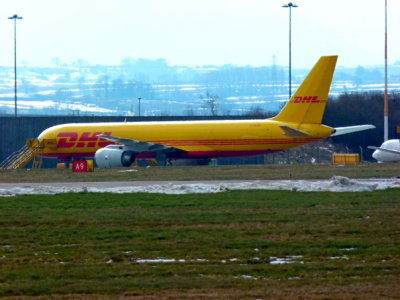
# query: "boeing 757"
{"points": [[120, 144]]}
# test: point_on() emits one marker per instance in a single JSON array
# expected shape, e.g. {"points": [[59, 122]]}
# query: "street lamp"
{"points": [[386, 97], [15, 18], [139, 106], [290, 5]]}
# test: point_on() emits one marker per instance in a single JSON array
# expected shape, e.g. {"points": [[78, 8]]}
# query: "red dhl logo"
{"points": [[86, 139], [306, 99]]}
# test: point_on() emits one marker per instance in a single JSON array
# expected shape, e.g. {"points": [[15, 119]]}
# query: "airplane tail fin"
{"points": [[308, 103]]}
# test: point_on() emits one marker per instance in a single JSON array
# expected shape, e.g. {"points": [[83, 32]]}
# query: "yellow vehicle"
{"points": [[120, 144]]}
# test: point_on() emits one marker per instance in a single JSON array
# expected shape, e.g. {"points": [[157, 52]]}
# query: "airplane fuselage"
{"points": [[199, 139]]}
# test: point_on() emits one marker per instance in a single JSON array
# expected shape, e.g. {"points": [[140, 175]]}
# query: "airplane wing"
{"points": [[293, 132], [384, 150], [136, 146], [350, 129]]}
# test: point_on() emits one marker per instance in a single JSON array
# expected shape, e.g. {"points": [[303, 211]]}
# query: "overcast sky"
{"points": [[199, 32]]}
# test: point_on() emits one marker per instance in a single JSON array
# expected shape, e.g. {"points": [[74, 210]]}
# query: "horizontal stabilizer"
{"points": [[384, 150], [292, 132], [350, 129]]}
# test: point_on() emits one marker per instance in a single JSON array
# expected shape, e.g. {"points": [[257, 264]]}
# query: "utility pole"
{"points": [[290, 5], [139, 106], [15, 18], [386, 96]]}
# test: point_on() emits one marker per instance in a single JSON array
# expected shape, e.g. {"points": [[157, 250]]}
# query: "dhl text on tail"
{"points": [[120, 144]]}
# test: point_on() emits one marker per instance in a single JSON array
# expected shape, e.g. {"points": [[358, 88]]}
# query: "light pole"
{"points": [[386, 97], [15, 18], [139, 105], [290, 5]]}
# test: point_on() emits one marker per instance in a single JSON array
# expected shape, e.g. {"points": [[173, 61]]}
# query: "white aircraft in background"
{"points": [[389, 151]]}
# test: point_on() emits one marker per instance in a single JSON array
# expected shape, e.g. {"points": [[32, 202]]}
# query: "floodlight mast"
{"points": [[386, 96], [15, 18], [139, 99], [290, 5]]}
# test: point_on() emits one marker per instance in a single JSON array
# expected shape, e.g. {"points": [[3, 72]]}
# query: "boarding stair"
{"points": [[23, 156]]}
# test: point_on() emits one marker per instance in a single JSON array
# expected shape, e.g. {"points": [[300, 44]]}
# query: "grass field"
{"points": [[231, 245], [318, 171]]}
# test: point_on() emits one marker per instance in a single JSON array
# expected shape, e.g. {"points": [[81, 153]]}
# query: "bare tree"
{"points": [[56, 61], [210, 103], [189, 111], [256, 111]]}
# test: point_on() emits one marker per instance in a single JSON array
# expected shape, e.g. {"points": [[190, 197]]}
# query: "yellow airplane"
{"points": [[120, 144]]}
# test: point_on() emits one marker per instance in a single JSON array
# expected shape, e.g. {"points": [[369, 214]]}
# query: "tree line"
{"points": [[363, 108]]}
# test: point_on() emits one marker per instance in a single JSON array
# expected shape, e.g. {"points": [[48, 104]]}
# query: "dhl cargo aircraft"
{"points": [[120, 144]]}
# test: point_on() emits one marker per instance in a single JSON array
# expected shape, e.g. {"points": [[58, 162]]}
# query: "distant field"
{"points": [[231, 245], [206, 173]]}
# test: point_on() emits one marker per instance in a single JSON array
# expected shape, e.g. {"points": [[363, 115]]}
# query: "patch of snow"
{"points": [[247, 277], [335, 184], [345, 257], [233, 259], [157, 260], [23, 104], [167, 260], [285, 260]]}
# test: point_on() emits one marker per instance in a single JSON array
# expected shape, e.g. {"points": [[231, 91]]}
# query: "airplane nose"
{"points": [[376, 155]]}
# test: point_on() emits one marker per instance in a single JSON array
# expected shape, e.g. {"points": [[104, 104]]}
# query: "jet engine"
{"points": [[114, 156]]}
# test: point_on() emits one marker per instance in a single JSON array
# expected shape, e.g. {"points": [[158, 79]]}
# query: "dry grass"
{"points": [[280, 291], [250, 172], [348, 243]]}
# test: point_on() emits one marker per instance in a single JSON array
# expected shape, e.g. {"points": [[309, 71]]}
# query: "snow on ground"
{"points": [[335, 184]]}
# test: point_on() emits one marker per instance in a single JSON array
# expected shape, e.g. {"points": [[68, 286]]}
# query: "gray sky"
{"points": [[199, 32]]}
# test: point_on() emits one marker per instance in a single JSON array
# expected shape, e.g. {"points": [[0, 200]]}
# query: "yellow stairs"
{"points": [[23, 156]]}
